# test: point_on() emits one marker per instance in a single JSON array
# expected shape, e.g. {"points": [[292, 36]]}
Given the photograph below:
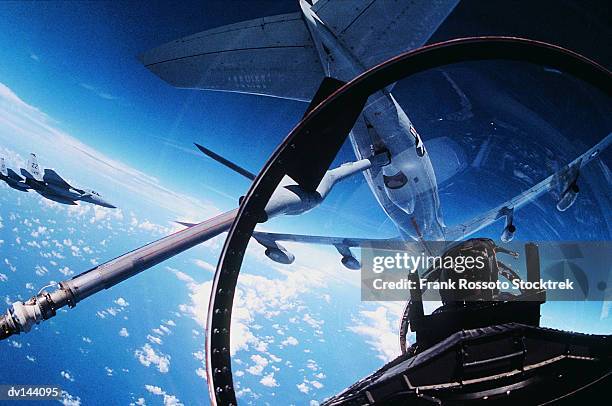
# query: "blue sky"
{"points": [[73, 67], [77, 63]]}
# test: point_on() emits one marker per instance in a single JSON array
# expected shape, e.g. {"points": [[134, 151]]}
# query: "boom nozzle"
{"points": [[21, 316]]}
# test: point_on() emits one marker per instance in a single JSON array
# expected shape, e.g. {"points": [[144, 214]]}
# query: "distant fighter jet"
{"points": [[51, 186], [12, 178]]}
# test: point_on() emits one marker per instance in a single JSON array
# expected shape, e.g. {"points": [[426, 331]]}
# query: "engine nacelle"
{"points": [[568, 198], [280, 255], [508, 233], [351, 262]]}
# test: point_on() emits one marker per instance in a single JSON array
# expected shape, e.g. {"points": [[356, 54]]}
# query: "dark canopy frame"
{"points": [[309, 149]]}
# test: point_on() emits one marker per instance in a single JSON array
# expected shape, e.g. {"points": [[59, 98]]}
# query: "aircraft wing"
{"points": [[53, 178], [376, 30], [278, 253], [318, 239], [551, 183], [272, 56], [310, 239]]}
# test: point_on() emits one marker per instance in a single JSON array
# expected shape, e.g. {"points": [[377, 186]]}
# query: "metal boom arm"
{"points": [[289, 199], [23, 315]]}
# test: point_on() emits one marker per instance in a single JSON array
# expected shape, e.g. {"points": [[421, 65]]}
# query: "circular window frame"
{"points": [[342, 103]]}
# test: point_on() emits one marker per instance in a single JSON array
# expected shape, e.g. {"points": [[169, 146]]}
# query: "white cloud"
{"points": [[123, 332], [67, 375], [303, 387], [259, 364], [205, 265], [268, 380], [156, 390], [379, 328], [147, 356], [169, 400], [121, 302], [154, 339], [316, 384], [149, 226], [256, 295], [112, 311], [40, 270], [66, 271], [69, 400], [182, 276], [312, 365], [290, 341], [201, 372], [316, 324]]}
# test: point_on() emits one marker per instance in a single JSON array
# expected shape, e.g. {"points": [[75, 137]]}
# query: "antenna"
{"points": [[226, 162]]}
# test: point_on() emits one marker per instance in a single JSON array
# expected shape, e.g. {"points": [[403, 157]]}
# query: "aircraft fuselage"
{"points": [[52, 193], [22, 187], [62, 194], [406, 189]]}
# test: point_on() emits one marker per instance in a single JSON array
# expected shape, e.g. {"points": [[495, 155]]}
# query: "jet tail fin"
{"points": [[33, 170]]}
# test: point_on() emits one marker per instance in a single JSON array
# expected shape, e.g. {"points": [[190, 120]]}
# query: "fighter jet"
{"points": [[53, 187], [12, 178]]}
